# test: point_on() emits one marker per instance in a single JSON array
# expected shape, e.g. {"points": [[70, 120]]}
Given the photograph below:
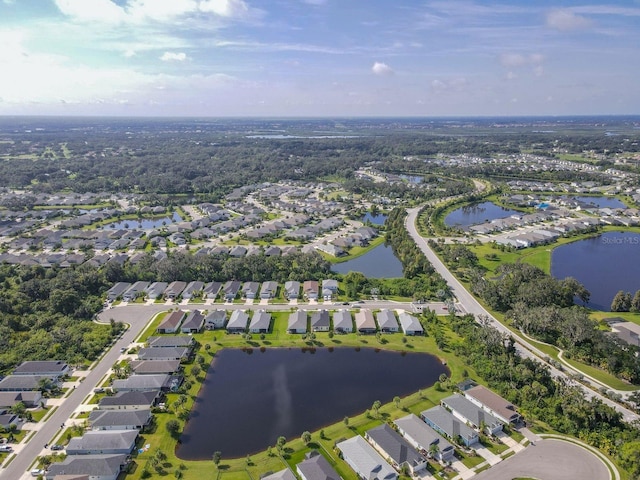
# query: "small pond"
{"points": [[604, 265], [602, 202], [144, 222], [377, 219], [379, 262], [250, 398], [477, 213]]}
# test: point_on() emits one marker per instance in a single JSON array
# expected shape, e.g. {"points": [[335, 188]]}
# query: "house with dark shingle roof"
{"points": [[291, 289], [52, 368], [342, 322], [492, 403], [443, 422], [422, 437], [130, 400], [471, 414], [171, 323], [167, 353], [193, 323], [260, 322], [119, 419], [316, 467], [170, 341], [96, 467], [154, 367], [320, 321], [103, 442], [387, 321], [395, 448]]}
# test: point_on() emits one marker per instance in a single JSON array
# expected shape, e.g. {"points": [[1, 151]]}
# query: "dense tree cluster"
{"points": [[528, 384], [46, 314]]}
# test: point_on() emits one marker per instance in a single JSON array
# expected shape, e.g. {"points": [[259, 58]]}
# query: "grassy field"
{"points": [[294, 450]]}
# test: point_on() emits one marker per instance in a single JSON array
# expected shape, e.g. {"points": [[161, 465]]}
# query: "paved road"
{"points": [[471, 305]]}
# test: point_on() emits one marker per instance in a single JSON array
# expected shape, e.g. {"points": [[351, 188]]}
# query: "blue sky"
{"points": [[319, 57]]}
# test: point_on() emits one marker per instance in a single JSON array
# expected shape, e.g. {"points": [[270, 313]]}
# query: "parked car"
{"points": [[36, 472], [5, 448], [57, 446]]}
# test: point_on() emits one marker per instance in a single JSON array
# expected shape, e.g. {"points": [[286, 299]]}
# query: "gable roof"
{"points": [[142, 382], [170, 341], [317, 468], [147, 367], [92, 465], [167, 353], [103, 440], [470, 411], [421, 433], [320, 319], [118, 418], [41, 367], [363, 458], [398, 449], [297, 320], [493, 401], [171, 321], [129, 398]]}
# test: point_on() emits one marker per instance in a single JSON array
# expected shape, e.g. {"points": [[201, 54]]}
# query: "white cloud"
{"points": [[450, 84], [225, 8], [92, 10], [566, 20], [382, 69], [513, 61], [173, 57]]}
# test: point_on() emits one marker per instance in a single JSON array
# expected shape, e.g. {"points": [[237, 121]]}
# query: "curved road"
{"points": [[471, 305]]}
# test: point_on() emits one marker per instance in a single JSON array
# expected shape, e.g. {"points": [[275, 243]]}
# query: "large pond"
{"points": [[604, 265], [477, 213], [145, 222], [602, 202], [248, 399], [377, 219], [379, 262]]}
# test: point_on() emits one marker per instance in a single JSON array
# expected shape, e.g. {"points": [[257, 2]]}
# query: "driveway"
{"points": [[549, 459]]}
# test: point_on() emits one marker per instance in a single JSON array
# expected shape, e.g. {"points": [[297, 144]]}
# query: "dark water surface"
{"points": [[379, 262], [477, 213], [248, 400], [604, 265]]}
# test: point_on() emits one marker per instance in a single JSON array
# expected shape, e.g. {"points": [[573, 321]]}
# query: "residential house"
{"points": [[171, 323], [470, 413], [396, 449], [103, 442], [230, 290], [410, 325], [9, 420], [268, 290], [297, 322], [260, 322], [443, 422], [119, 419], [320, 321], [342, 322], [310, 289], [142, 383], [387, 321], [215, 319], [174, 290], [135, 290], [211, 290], [167, 353], [20, 383], [292, 290], [424, 438], [154, 367], [250, 290], [238, 322], [117, 291], [170, 341], [156, 290], [46, 368], [192, 289], [365, 323], [272, 251], [193, 323], [493, 404], [285, 474], [237, 251], [29, 399], [130, 400], [365, 461], [316, 467], [329, 288], [95, 467]]}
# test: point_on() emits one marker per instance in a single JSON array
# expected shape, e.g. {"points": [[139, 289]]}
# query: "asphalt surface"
{"points": [[471, 305]]}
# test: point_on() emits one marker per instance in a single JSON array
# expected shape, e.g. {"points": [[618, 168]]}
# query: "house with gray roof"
{"points": [[19, 383], [395, 448], [493, 404], [170, 341], [215, 319], [95, 467], [47, 368], [230, 290], [174, 290], [470, 413], [171, 323], [365, 460], [193, 323], [211, 290], [292, 290], [103, 442], [410, 325], [167, 353], [320, 321], [192, 289], [119, 419], [316, 467], [135, 290], [141, 383], [387, 321], [365, 323], [297, 322], [30, 399], [156, 290], [285, 474], [260, 322], [443, 422], [117, 291], [250, 290], [130, 400], [342, 321], [238, 322], [268, 290], [154, 367], [422, 437]]}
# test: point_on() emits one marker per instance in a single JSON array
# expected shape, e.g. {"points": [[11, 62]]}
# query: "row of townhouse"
{"points": [[343, 322]]}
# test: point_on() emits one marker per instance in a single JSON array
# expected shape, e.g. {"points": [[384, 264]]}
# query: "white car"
{"points": [[36, 472]]}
